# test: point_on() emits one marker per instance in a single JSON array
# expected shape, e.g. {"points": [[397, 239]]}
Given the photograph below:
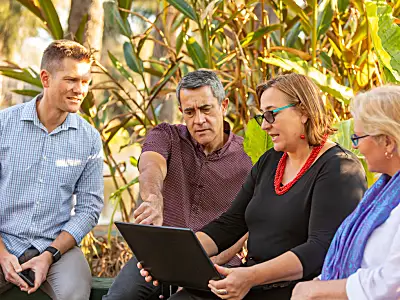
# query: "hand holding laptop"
{"points": [[146, 275]]}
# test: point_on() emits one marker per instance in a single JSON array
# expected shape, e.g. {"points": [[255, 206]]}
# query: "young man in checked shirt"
{"points": [[48, 154], [189, 175]]}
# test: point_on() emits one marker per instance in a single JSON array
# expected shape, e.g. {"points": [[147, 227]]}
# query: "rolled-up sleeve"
{"points": [[378, 283], [330, 206], [89, 192]]}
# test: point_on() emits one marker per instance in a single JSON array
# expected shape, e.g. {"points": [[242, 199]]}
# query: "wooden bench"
{"points": [[100, 287]]}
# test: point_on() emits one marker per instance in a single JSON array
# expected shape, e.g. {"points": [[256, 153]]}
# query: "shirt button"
{"points": [[37, 202], [41, 180], [44, 157]]}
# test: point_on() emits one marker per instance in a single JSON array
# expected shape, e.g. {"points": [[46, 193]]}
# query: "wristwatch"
{"points": [[55, 253]]}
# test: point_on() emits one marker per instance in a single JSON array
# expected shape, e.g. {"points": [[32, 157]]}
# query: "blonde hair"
{"points": [[305, 94], [379, 111]]}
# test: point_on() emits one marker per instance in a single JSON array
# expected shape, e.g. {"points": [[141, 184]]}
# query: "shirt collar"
{"points": [[29, 113]]}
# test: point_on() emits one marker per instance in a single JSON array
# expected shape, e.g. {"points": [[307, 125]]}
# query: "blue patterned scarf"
{"points": [[347, 248]]}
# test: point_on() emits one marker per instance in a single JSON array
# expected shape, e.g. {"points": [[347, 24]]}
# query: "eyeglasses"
{"points": [[269, 115], [354, 138]]}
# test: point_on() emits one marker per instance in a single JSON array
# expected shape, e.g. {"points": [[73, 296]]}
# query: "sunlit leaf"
{"points": [[118, 65], [184, 8], [132, 59], [256, 35], [256, 141], [21, 74], [79, 35], [53, 21], [325, 82], [30, 93], [126, 4], [325, 16], [133, 160], [33, 7], [112, 15], [196, 53], [385, 36]]}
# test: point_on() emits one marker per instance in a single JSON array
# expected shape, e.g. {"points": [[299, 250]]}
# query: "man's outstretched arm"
{"points": [[153, 170]]}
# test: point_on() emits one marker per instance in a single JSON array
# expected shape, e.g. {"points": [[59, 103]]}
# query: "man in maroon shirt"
{"points": [[189, 175]]}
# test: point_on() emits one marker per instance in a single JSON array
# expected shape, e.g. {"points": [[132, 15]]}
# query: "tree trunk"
{"points": [[93, 33]]}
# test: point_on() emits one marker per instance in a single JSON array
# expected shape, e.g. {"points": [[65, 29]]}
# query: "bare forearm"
{"points": [[153, 170], [282, 268], [208, 244], [64, 242], [228, 254]]}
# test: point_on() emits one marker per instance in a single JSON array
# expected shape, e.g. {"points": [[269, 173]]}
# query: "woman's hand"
{"points": [[304, 290], [236, 284], [146, 274]]}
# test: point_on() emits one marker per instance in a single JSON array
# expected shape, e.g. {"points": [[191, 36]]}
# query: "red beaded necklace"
{"points": [[280, 190]]}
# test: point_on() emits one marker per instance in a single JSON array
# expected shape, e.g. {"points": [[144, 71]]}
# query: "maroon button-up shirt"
{"points": [[197, 188]]}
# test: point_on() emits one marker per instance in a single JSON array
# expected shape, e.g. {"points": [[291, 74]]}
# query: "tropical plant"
{"points": [[345, 46]]}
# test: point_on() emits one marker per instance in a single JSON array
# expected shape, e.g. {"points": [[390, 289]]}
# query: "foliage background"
{"points": [[345, 46]]}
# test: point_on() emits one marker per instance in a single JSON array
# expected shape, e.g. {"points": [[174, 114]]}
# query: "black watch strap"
{"points": [[55, 253]]}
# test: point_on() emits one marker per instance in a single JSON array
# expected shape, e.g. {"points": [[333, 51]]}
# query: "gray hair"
{"points": [[200, 78]]}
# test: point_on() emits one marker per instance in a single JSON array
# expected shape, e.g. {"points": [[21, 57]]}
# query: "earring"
{"points": [[388, 155], [302, 136]]}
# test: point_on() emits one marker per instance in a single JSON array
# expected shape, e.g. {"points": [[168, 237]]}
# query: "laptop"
{"points": [[171, 255]]}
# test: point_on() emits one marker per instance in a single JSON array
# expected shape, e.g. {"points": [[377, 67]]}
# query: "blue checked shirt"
{"points": [[39, 175]]}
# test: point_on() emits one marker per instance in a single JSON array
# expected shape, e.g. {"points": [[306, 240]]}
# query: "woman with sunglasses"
{"points": [[363, 261], [292, 202]]}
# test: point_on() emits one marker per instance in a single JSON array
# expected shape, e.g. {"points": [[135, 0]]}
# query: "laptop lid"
{"points": [[171, 255]]}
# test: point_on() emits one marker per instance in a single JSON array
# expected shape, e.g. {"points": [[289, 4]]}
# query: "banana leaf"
{"points": [[385, 36]]}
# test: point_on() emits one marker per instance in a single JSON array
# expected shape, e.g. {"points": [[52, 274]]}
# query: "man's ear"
{"points": [[224, 105], [45, 78], [180, 109]]}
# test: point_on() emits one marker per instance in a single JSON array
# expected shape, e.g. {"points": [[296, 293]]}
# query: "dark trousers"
{"points": [[130, 285]]}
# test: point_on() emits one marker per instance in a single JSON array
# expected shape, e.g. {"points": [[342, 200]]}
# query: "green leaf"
{"points": [[118, 65], [31, 5], [160, 84], [21, 74], [132, 59], [256, 35], [325, 82], [325, 17], [53, 21], [184, 8], [385, 36], [326, 60], [88, 104], [305, 21], [179, 41], [342, 137], [79, 35], [133, 160], [112, 14], [127, 4], [256, 141], [196, 53], [30, 93], [343, 5]]}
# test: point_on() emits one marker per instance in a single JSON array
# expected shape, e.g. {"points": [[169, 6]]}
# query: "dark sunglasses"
{"points": [[354, 138], [269, 115]]}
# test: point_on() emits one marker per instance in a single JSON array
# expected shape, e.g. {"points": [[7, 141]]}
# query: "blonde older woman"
{"points": [[363, 261]]}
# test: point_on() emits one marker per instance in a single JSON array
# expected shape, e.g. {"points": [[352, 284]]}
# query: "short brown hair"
{"points": [[60, 49], [305, 94]]}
